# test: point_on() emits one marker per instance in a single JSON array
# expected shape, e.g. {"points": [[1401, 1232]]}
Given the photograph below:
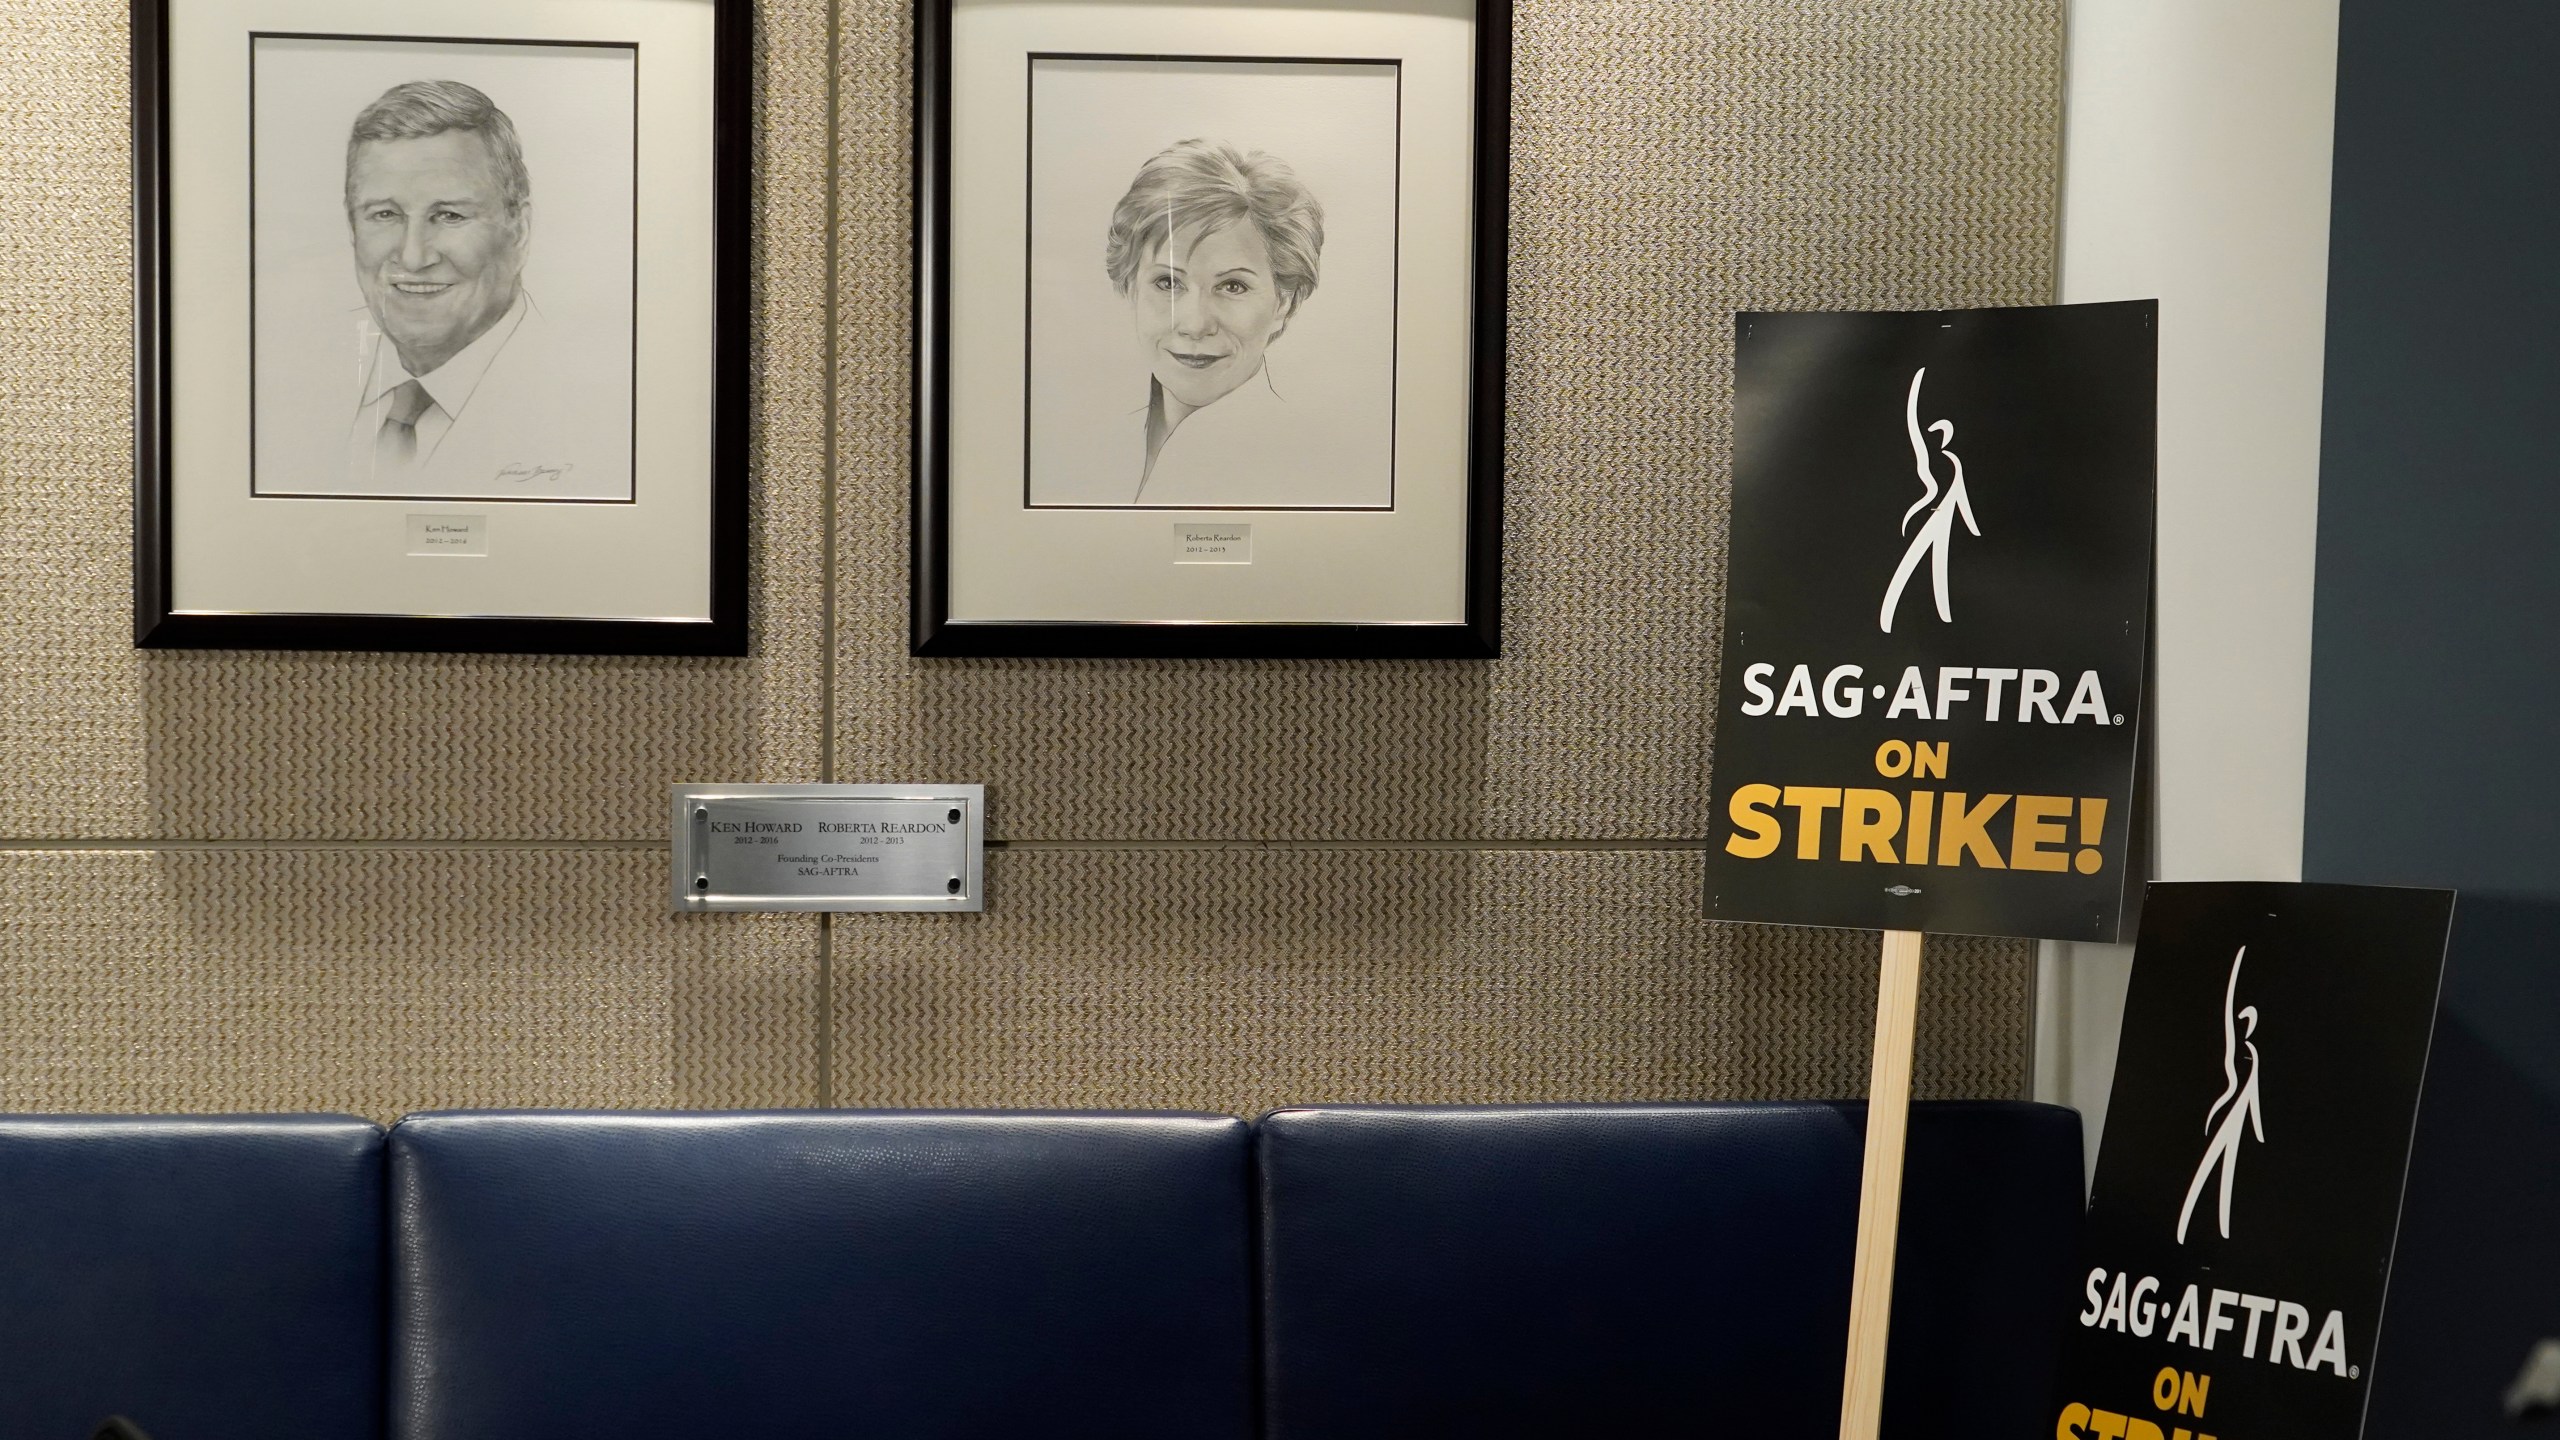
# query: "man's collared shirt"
{"points": [[449, 385]]}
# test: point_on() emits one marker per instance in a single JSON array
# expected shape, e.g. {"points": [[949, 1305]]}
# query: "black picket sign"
{"points": [[1937, 604], [2239, 1235]]}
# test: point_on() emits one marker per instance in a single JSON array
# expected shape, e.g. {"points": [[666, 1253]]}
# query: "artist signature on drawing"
{"points": [[526, 474]]}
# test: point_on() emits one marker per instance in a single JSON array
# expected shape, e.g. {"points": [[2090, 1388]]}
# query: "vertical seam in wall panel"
{"points": [[2035, 1011], [831, 329], [829, 404], [2061, 174], [826, 1012], [2061, 143]]}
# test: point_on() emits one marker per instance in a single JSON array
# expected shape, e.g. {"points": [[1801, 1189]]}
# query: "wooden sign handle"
{"points": [[1880, 1187]]}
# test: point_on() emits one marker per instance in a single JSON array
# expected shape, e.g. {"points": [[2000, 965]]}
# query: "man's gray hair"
{"points": [[1211, 185], [421, 108]]}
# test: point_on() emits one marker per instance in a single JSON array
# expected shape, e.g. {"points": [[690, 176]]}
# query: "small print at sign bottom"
{"points": [[828, 847]]}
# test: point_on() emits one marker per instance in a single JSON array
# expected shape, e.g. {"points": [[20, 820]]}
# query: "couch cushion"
{"points": [[1652, 1270], [896, 1275], [214, 1278]]}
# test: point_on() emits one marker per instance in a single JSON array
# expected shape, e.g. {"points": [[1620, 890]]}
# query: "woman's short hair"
{"points": [[1208, 185], [422, 108]]}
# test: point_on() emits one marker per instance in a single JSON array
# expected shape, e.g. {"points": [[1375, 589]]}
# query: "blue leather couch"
{"points": [[1324, 1273], [210, 1276]]}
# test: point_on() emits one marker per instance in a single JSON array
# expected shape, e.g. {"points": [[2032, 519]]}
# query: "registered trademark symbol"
{"points": [[2119, 720], [2355, 1372]]}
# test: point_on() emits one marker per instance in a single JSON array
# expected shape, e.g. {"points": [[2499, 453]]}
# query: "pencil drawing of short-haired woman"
{"points": [[1214, 248]]}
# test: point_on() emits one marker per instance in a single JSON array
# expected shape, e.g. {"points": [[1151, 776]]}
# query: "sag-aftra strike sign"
{"points": [[1936, 598], [2239, 1236]]}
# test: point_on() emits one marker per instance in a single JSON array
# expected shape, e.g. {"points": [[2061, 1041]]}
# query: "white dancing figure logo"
{"points": [[1939, 528], [2226, 1127]]}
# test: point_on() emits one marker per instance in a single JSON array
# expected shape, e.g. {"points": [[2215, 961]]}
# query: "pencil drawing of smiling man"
{"points": [[463, 387]]}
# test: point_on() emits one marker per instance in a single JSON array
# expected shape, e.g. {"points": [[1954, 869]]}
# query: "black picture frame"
{"points": [[934, 632], [159, 623]]}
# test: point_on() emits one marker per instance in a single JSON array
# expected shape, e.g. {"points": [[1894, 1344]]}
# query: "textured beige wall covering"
{"points": [[1237, 978], [387, 980], [1231, 884], [1672, 162], [524, 962], [102, 741]]}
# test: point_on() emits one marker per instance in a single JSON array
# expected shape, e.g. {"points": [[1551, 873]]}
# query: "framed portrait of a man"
{"points": [[442, 331], [1209, 328]]}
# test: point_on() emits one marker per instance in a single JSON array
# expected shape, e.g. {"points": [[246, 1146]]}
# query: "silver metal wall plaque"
{"points": [[829, 847]]}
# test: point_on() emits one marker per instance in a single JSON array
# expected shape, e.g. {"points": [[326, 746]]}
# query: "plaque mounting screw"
{"points": [[702, 882], [954, 886], [955, 814]]}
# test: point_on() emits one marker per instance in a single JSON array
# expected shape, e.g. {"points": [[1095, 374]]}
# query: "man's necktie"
{"points": [[396, 446]]}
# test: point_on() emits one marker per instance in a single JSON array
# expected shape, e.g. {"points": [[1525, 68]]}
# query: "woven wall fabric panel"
{"points": [[384, 980], [1673, 162], [98, 740], [1236, 979], [71, 753]]}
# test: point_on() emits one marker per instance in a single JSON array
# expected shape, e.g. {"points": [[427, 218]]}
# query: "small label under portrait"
{"points": [[1212, 544], [448, 534]]}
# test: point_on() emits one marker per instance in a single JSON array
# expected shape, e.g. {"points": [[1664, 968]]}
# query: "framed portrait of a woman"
{"points": [[1209, 328]]}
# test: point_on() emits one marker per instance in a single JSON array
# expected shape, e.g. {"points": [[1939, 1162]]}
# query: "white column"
{"points": [[2196, 170]]}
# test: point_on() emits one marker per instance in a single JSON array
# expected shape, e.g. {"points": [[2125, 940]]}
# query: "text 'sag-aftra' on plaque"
{"points": [[829, 847]]}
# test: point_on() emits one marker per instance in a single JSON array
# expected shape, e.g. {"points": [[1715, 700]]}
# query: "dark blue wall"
{"points": [[2435, 699], [2435, 693]]}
